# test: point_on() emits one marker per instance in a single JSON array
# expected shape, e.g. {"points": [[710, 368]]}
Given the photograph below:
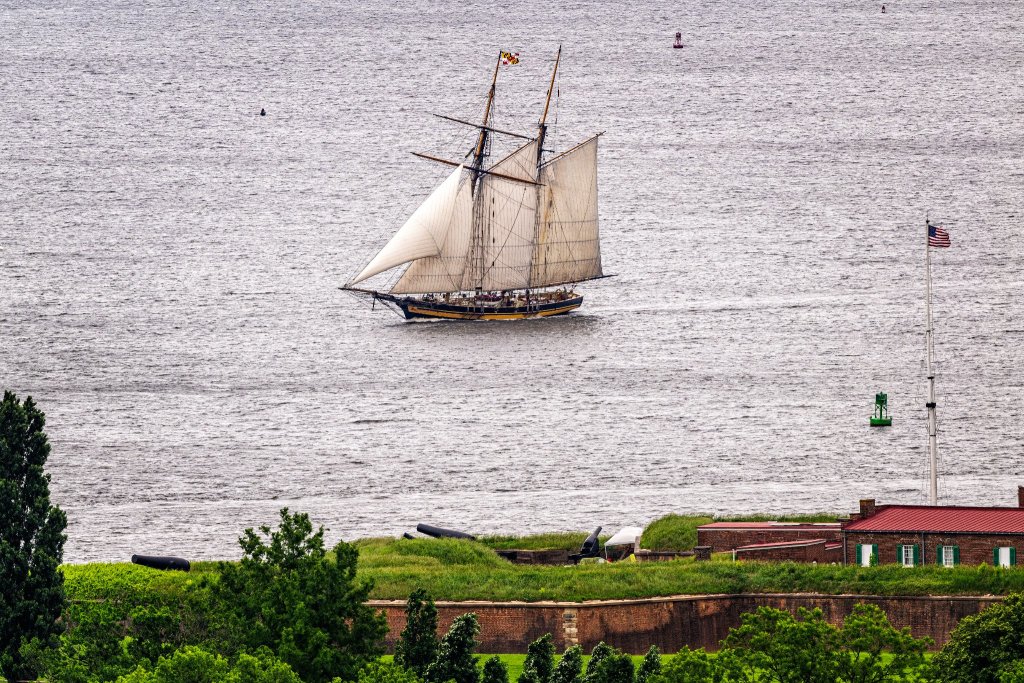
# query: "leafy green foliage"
{"points": [[196, 665], [784, 648], [984, 647], [286, 594], [494, 671], [570, 667], [870, 649], [540, 660], [455, 660], [616, 667], [417, 645], [31, 541], [689, 666], [379, 672], [651, 666], [601, 651]]}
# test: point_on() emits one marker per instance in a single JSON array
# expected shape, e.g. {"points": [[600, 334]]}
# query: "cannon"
{"points": [[162, 562], [438, 532], [591, 547]]}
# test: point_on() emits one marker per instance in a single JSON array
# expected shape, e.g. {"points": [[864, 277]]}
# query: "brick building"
{"points": [[914, 535], [722, 536], [812, 550]]}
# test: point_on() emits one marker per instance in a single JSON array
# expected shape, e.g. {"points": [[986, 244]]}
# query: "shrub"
{"points": [[651, 666], [570, 667], [455, 661], [417, 645], [985, 646], [540, 660], [495, 671]]}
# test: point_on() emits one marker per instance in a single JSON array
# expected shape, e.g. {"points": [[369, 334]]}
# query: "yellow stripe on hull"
{"points": [[431, 313]]}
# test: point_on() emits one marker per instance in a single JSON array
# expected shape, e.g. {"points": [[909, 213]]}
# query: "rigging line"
{"points": [[488, 128]]}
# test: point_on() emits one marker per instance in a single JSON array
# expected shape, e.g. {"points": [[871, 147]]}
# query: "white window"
{"points": [[1006, 556], [867, 551], [948, 556], [907, 556]]}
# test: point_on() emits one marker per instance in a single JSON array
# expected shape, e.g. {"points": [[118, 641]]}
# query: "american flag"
{"points": [[937, 237]]}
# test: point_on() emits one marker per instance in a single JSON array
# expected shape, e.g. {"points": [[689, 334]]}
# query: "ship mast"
{"points": [[542, 129], [481, 145]]}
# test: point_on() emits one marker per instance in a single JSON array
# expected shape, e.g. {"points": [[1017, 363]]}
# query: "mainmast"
{"points": [[481, 145]]}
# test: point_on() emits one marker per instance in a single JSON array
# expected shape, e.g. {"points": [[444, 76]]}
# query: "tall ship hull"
{"points": [[484, 308], [503, 240]]}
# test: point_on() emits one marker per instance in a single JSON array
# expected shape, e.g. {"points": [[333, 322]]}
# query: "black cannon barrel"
{"points": [[162, 562], [591, 546], [408, 536], [438, 532]]}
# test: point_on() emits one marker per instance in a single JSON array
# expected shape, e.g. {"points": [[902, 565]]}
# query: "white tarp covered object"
{"points": [[629, 536]]}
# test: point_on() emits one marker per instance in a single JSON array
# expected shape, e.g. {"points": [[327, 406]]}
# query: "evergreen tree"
{"points": [[417, 646], [570, 668], [455, 660], [540, 660], [616, 667], [309, 609], [651, 666], [597, 655], [495, 671], [31, 539]]}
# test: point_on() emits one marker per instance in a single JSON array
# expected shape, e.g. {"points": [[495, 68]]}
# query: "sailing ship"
{"points": [[497, 241]]}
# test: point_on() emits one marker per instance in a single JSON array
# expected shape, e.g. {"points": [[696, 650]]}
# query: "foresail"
{"points": [[506, 221], [568, 245], [441, 225]]}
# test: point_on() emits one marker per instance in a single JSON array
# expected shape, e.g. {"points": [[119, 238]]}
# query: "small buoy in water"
{"points": [[679, 40], [881, 417], [263, 112], [883, 9]]}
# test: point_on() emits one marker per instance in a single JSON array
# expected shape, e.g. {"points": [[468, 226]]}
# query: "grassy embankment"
{"points": [[464, 570]]}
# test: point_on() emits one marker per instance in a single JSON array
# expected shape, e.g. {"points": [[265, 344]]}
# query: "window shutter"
{"points": [[956, 555], [899, 554], [874, 553], [995, 556], [858, 555], [938, 555], [917, 555], [1013, 556]]}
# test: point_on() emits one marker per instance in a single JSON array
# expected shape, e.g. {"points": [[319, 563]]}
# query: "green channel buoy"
{"points": [[881, 417]]}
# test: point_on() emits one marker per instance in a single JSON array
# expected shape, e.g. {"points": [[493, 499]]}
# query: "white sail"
{"points": [[506, 220], [568, 245], [441, 225]]}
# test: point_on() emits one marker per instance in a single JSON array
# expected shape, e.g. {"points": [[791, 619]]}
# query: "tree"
{"points": [[288, 595], [540, 660], [784, 648], [689, 666], [379, 672], [570, 667], [455, 660], [196, 665], [617, 667], [600, 651], [651, 666], [31, 539], [867, 634], [983, 646], [495, 671], [417, 645]]}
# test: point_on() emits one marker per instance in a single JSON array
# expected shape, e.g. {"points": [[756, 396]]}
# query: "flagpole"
{"points": [[933, 485]]}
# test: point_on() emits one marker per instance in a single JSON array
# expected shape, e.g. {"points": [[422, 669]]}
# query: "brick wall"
{"points": [[812, 551], [974, 548], [726, 539], [671, 623]]}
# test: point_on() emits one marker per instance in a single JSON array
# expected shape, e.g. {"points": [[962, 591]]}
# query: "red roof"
{"points": [[942, 519]]}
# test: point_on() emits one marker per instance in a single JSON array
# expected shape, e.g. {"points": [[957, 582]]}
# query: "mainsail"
{"points": [[568, 247]]}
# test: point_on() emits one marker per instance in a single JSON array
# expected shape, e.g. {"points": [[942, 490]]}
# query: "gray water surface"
{"points": [[169, 263]]}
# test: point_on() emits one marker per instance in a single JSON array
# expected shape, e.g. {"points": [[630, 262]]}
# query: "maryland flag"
{"points": [[509, 58]]}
